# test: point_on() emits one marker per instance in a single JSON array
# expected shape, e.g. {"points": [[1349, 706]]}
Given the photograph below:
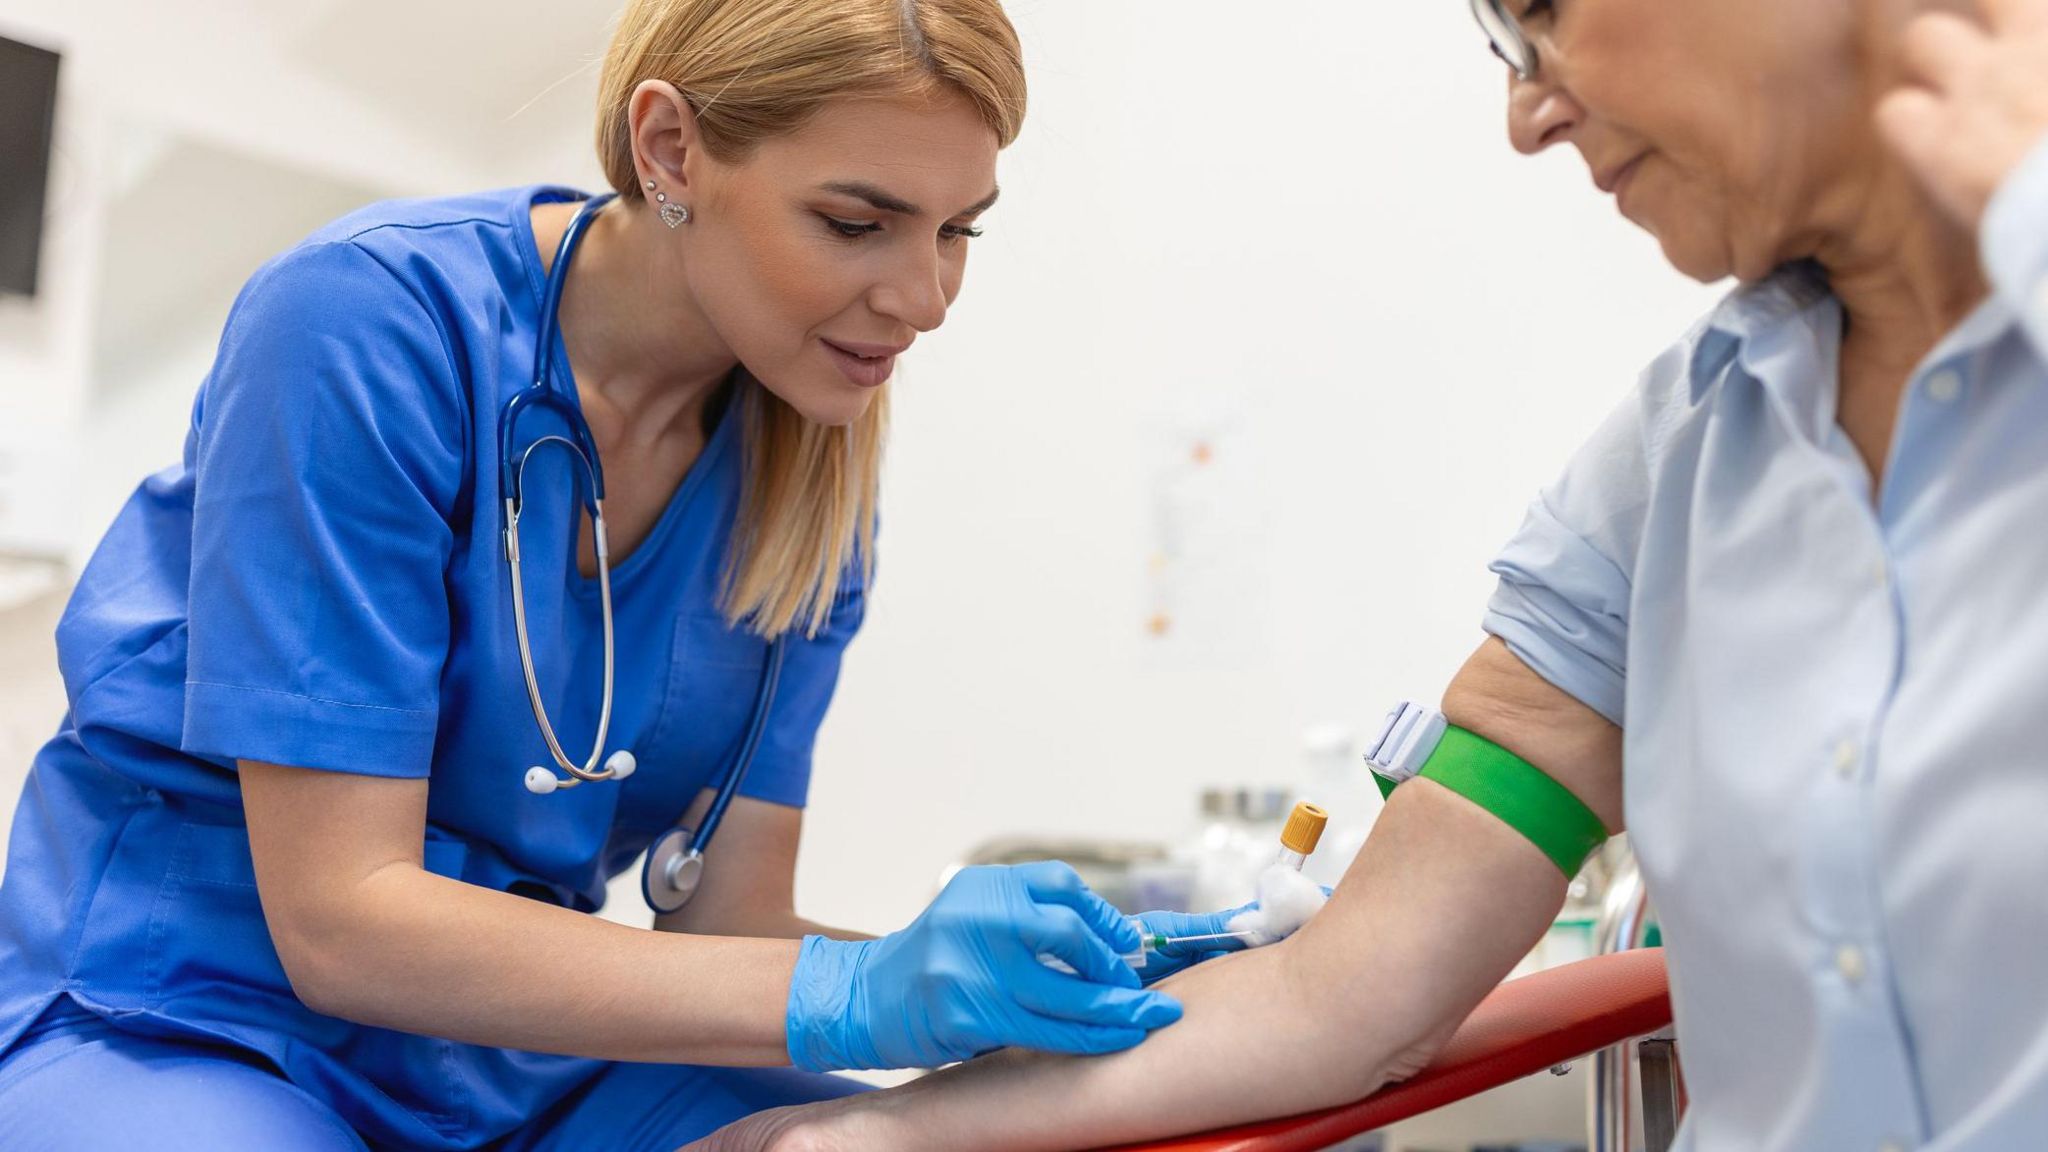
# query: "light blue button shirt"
{"points": [[1836, 708]]}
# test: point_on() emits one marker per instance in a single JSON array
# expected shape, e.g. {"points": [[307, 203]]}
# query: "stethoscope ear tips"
{"points": [[541, 781]]}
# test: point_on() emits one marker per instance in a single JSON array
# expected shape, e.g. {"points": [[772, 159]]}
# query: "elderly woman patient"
{"points": [[1782, 618]]}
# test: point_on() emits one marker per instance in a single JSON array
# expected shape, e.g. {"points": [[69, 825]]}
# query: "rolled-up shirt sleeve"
{"points": [[1562, 605], [2014, 239]]}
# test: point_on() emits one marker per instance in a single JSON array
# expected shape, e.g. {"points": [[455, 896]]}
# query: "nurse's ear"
{"points": [[667, 148]]}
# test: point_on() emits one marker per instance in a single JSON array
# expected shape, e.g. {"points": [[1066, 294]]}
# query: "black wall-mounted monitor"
{"points": [[28, 113]]}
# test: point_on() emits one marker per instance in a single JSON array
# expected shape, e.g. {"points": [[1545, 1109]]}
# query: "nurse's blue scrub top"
{"points": [[320, 583]]}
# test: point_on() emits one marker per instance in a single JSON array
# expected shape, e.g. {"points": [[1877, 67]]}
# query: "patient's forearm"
{"points": [[1441, 903]]}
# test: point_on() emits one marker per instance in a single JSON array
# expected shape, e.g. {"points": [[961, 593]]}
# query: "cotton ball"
{"points": [[1287, 900]]}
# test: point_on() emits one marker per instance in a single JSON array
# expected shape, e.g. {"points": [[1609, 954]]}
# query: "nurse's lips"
{"points": [[868, 365]]}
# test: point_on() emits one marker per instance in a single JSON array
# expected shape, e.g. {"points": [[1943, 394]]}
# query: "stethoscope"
{"points": [[675, 864]]}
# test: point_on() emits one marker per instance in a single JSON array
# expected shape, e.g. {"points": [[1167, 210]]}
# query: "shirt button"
{"points": [[1849, 962], [1945, 385], [1891, 1146], [1845, 758]]}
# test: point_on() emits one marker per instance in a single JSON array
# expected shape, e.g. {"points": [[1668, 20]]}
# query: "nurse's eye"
{"points": [[848, 229], [959, 232]]}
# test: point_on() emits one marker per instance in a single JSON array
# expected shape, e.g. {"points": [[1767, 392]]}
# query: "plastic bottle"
{"points": [[1333, 773], [1262, 815], [1209, 851]]}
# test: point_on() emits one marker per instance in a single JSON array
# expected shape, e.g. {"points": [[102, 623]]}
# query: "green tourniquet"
{"points": [[1520, 794]]}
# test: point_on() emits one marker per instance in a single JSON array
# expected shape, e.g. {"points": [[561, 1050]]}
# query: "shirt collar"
{"points": [[1785, 331]]}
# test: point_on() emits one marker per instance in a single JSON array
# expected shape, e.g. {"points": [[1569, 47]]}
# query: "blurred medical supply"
{"points": [[1332, 772]]}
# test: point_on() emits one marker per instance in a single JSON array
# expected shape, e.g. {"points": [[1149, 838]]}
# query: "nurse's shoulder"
{"points": [[400, 297], [346, 358], [457, 257]]}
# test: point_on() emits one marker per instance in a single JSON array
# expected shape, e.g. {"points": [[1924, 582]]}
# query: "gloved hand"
{"points": [[965, 978], [1163, 962]]}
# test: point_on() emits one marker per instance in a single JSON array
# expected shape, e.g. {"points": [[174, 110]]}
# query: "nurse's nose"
{"points": [[919, 292]]}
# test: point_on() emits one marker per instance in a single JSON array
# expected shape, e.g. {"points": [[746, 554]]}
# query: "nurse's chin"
{"points": [[832, 403]]}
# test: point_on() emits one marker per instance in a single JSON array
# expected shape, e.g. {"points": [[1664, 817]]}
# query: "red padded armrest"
{"points": [[1524, 1027]]}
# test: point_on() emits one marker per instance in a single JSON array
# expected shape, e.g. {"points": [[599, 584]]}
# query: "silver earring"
{"points": [[672, 214], [650, 185]]}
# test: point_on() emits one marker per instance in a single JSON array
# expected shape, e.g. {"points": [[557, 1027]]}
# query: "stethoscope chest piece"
{"points": [[673, 871]]}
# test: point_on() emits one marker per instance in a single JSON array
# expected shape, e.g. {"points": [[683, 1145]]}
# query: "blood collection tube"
{"points": [[1304, 829]]}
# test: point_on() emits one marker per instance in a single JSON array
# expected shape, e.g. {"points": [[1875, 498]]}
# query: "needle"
{"points": [[1156, 942]]}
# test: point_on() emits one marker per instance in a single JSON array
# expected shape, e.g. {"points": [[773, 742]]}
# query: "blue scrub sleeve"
{"points": [[810, 672], [2014, 241], [1562, 604], [329, 456]]}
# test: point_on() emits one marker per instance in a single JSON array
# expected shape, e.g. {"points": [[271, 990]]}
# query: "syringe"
{"points": [[1156, 941], [1147, 942]]}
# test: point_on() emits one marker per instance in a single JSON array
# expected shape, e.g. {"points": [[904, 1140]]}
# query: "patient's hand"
{"points": [[821, 1127], [756, 1133]]}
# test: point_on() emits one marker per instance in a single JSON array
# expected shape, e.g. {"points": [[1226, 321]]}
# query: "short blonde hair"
{"points": [[753, 70]]}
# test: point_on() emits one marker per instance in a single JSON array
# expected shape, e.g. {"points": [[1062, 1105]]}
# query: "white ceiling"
{"points": [[491, 80], [181, 237]]}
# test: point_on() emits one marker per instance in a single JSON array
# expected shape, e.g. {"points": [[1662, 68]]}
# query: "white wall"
{"points": [[1309, 219], [1293, 230]]}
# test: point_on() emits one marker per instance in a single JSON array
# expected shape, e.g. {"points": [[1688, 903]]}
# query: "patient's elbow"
{"points": [[1411, 1059]]}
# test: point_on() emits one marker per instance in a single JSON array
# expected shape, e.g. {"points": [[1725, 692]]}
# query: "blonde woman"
{"points": [[297, 872]]}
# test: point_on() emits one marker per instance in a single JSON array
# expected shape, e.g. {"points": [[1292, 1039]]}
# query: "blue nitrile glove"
{"points": [[965, 977], [1163, 962]]}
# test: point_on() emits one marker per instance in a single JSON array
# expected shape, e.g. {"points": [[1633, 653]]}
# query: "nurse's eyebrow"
{"points": [[885, 202]]}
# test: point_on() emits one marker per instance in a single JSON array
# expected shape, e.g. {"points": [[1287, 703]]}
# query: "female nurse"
{"points": [[279, 880], [1782, 618]]}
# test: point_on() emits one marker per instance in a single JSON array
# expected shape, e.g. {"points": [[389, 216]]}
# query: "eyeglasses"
{"points": [[1509, 42]]}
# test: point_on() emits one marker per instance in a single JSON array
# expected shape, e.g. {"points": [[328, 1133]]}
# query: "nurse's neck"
{"points": [[638, 343]]}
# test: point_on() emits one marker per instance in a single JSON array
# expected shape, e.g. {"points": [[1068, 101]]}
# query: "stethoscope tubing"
{"points": [[764, 702], [670, 891], [511, 480]]}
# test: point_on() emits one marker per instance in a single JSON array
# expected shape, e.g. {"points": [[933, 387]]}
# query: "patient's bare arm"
{"points": [[1440, 904]]}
